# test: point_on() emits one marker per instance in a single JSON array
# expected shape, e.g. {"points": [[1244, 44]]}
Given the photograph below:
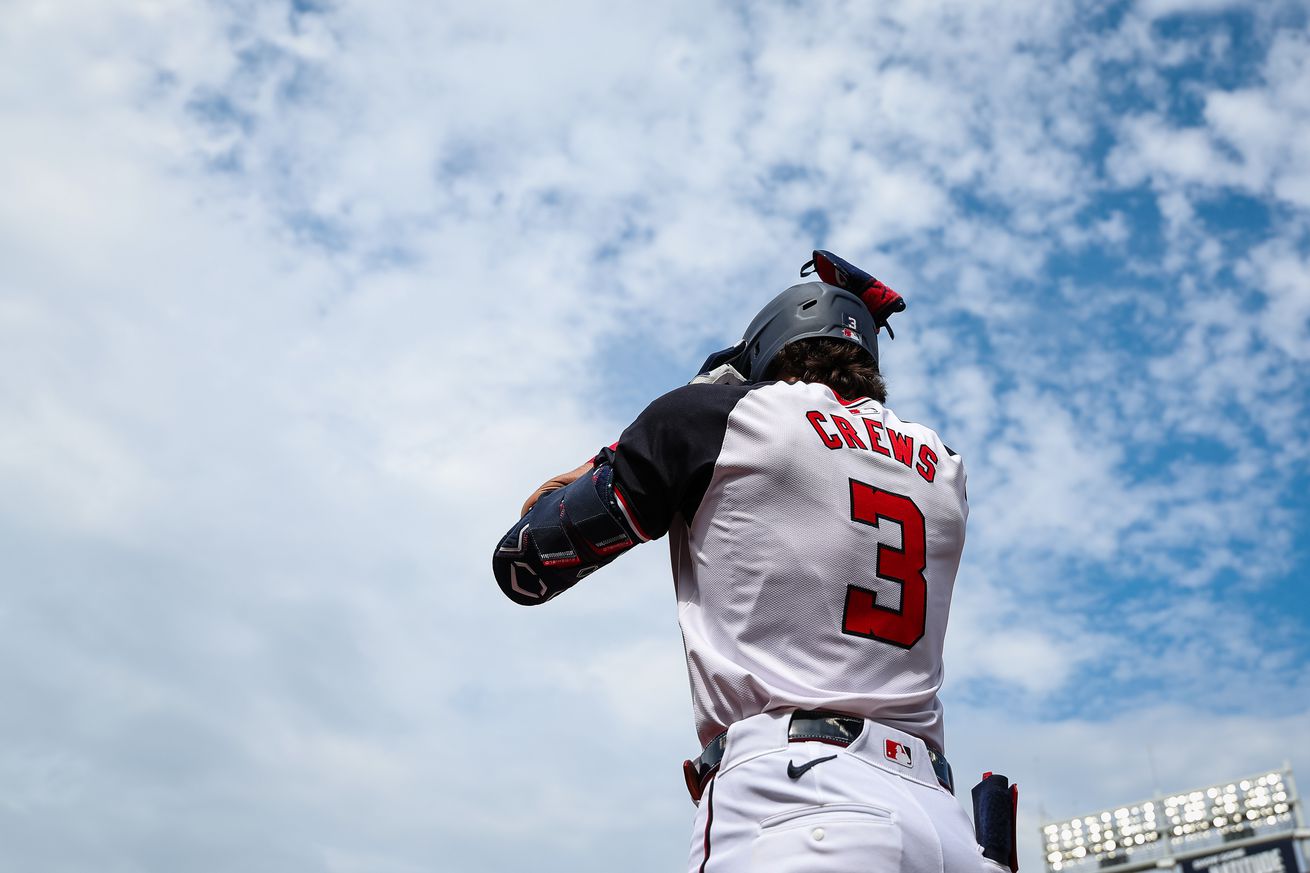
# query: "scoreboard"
{"points": [[1275, 856]]}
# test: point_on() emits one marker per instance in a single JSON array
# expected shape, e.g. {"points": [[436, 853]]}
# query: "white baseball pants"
{"points": [[874, 807]]}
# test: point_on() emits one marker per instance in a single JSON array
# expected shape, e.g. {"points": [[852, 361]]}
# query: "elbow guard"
{"points": [[567, 535]]}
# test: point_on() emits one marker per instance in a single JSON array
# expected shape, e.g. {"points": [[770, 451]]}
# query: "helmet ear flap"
{"points": [[723, 356], [724, 366]]}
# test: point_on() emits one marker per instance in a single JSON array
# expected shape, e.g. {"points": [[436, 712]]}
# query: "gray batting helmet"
{"points": [[811, 309]]}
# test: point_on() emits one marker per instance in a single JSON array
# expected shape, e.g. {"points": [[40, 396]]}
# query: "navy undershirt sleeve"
{"points": [[664, 460]]}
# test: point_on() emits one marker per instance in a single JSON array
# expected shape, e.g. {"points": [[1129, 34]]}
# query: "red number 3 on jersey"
{"points": [[863, 616]]}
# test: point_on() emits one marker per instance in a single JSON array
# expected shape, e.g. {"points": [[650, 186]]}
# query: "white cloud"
{"points": [[643, 683], [1155, 146], [998, 639], [1282, 273], [1251, 140]]}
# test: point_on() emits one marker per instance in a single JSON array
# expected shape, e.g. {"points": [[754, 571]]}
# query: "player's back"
{"points": [[816, 571]]}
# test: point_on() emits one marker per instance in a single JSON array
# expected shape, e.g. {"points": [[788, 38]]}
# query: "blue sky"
{"points": [[299, 300]]}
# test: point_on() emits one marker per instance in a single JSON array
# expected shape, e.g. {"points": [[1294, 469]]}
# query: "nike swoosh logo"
{"points": [[797, 772]]}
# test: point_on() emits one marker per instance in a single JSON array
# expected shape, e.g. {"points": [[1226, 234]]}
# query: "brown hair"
{"points": [[843, 366]]}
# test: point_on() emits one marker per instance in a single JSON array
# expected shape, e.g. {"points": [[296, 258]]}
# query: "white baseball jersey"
{"points": [[815, 543]]}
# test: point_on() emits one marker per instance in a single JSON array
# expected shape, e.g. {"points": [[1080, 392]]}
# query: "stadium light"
{"points": [[1087, 839], [1170, 825], [1246, 805]]}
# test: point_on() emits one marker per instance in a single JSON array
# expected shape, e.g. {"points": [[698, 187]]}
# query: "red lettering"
{"points": [[874, 442], [902, 446], [927, 466], [848, 433], [828, 439]]}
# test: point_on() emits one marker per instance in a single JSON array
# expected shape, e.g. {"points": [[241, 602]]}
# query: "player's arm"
{"points": [[567, 534], [658, 469]]}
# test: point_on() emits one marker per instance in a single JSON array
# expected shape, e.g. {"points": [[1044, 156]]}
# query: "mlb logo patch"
{"points": [[850, 334], [899, 753]]}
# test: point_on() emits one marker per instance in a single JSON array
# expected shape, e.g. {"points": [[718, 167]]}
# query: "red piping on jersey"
{"points": [[843, 401], [627, 512], [709, 820]]}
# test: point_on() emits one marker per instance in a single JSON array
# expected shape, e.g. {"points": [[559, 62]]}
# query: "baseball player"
{"points": [[815, 538]]}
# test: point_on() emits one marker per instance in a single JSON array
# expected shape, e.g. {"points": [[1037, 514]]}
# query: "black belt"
{"points": [[826, 727]]}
